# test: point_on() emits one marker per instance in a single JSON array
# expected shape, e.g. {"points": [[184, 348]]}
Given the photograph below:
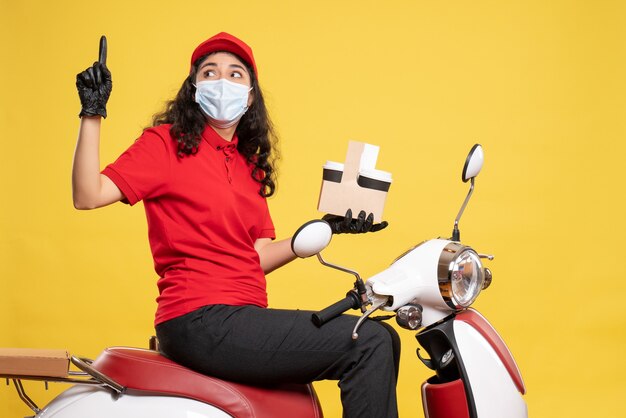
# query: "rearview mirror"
{"points": [[473, 163], [311, 238]]}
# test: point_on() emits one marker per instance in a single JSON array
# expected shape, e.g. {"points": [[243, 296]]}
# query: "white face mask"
{"points": [[223, 101]]}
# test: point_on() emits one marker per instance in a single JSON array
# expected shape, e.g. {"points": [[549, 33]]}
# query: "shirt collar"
{"points": [[216, 141]]}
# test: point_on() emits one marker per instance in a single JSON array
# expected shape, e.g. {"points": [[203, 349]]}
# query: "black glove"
{"points": [[94, 85], [347, 225]]}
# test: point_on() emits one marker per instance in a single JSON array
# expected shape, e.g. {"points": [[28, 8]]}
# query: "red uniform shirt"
{"points": [[204, 215]]}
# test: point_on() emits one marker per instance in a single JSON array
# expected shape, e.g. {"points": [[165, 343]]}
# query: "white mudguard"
{"points": [[95, 402], [493, 377]]}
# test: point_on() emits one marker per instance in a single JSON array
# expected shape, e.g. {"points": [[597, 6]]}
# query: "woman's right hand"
{"points": [[94, 85], [90, 188]]}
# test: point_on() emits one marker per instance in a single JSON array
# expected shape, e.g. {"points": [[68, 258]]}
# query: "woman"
{"points": [[204, 171]]}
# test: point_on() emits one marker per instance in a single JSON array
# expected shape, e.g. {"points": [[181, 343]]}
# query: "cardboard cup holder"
{"points": [[356, 184]]}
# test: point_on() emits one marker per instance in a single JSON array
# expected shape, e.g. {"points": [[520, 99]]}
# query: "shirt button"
{"points": [[219, 147], [227, 158]]}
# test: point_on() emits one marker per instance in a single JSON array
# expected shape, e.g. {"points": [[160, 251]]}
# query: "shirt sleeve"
{"points": [[267, 229], [141, 172]]}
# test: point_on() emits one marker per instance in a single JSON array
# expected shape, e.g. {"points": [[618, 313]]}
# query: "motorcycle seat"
{"points": [[148, 371]]}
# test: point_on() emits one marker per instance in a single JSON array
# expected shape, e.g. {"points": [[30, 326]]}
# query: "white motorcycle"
{"points": [[428, 288], [431, 287]]}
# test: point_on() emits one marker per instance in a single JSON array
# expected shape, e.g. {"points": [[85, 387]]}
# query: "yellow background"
{"points": [[540, 84]]}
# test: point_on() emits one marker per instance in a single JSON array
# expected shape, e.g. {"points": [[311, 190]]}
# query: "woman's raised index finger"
{"points": [[102, 54]]}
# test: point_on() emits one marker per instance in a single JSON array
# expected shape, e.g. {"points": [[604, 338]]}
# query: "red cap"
{"points": [[225, 42]]}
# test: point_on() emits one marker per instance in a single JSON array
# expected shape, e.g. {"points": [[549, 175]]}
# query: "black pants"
{"points": [[253, 345]]}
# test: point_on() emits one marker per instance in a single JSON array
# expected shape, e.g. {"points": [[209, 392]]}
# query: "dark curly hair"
{"points": [[257, 140]]}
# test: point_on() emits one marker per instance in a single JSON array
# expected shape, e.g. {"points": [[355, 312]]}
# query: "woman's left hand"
{"points": [[347, 225]]}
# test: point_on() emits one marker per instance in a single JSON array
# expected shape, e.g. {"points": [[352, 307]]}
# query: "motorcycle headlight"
{"points": [[461, 275]]}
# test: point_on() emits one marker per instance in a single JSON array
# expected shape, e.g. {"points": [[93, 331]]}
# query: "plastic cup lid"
{"points": [[332, 165], [376, 174]]}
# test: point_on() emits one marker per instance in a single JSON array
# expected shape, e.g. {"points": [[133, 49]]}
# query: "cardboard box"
{"points": [[34, 362], [356, 184]]}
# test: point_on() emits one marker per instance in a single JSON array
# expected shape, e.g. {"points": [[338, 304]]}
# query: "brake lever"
{"points": [[367, 313]]}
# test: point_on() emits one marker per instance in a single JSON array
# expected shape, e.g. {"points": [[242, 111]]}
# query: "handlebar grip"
{"points": [[351, 301]]}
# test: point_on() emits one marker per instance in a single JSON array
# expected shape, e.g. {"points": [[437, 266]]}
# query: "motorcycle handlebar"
{"points": [[351, 301]]}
